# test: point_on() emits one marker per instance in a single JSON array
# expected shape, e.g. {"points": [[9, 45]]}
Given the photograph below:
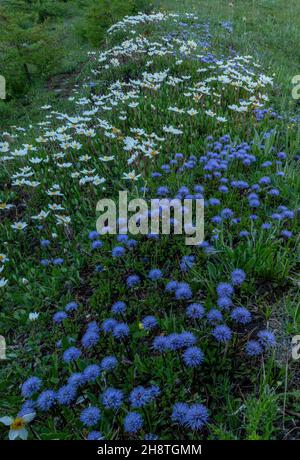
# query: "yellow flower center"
{"points": [[17, 424]]}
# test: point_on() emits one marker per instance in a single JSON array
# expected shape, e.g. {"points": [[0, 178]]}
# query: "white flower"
{"points": [[33, 316], [41, 140], [129, 143], [192, 112], [84, 158], [3, 282], [152, 153], [107, 158], [75, 145], [175, 109], [131, 176], [65, 220], [19, 225], [17, 426], [5, 206], [3, 258], [210, 113], [55, 207], [98, 180], [41, 216], [172, 130], [54, 191]]}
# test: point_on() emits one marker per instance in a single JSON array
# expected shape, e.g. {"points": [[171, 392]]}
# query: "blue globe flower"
{"points": [[71, 354], [196, 417], [95, 436], [193, 357], [90, 416], [66, 394], [238, 276], [133, 422], [31, 386], [222, 333], [149, 322], [195, 311], [241, 315], [46, 400], [155, 274], [253, 348], [108, 363], [112, 398]]}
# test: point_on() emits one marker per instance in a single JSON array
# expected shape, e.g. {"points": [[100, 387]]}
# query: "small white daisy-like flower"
{"points": [[3, 282], [107, 158], [3, 258], [17, 426], [5, 206], [33, 316], [19, 225], [131, 176]]}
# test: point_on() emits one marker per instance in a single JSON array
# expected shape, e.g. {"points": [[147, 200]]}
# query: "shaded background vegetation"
{"points": [[44, 47]]}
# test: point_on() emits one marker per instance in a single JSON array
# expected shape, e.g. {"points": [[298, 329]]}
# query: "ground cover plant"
{"points": [[143, 337]]}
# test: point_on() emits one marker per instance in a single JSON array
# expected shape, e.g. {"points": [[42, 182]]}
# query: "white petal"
{"points": [[28, 417], [6, 420], [13, 434], [23, 434]]}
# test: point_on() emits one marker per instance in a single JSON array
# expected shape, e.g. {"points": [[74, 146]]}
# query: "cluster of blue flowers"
{"points": [[153, 325], [194, 416], [216, 319]]}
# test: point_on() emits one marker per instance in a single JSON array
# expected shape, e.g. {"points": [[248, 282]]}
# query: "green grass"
{"points": [[74, 28], [24, 109]]}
